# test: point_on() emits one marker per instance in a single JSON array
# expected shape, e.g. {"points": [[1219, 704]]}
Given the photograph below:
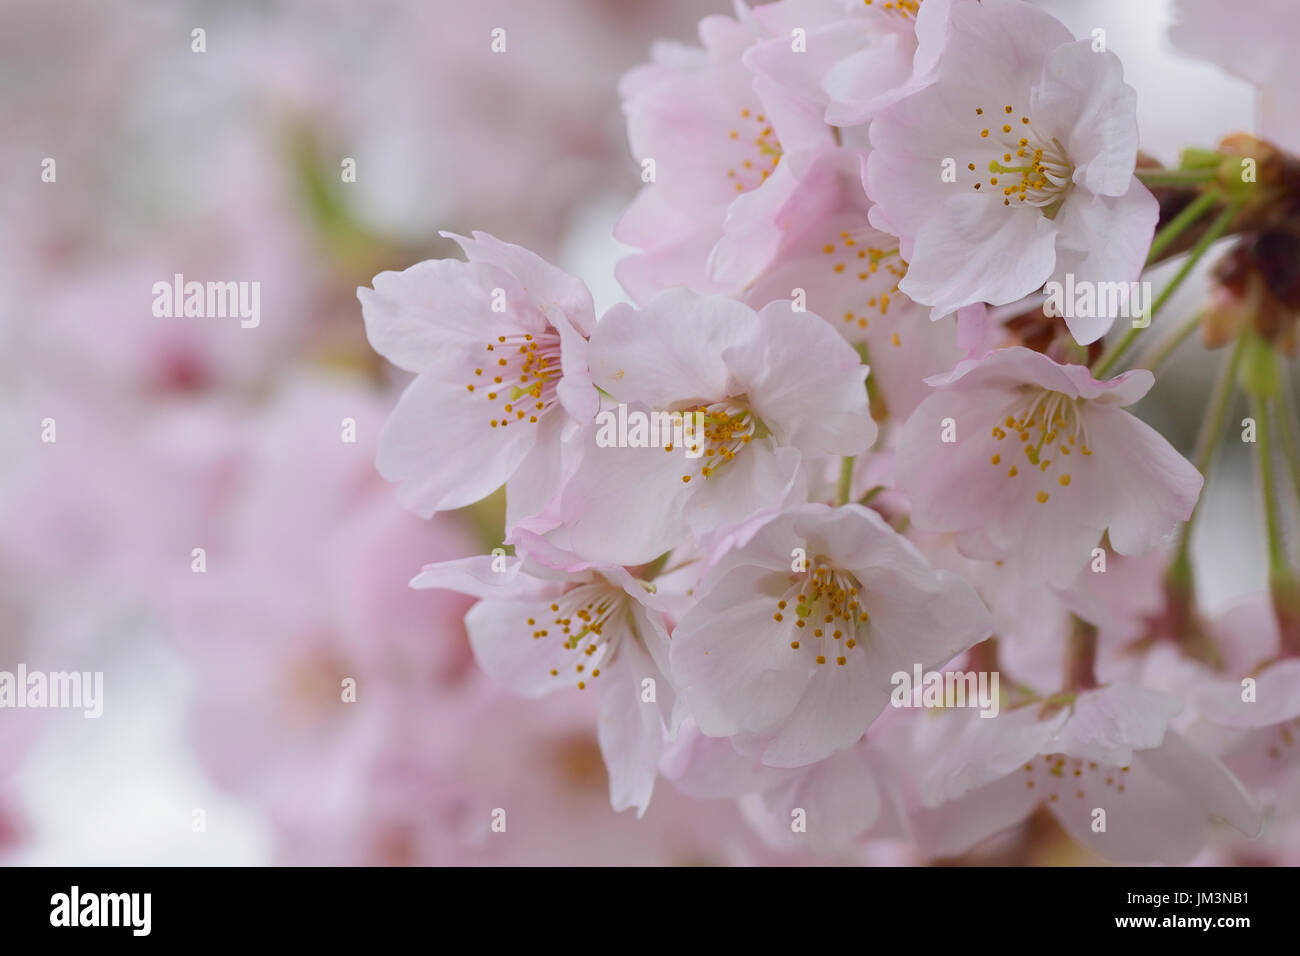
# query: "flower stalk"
{"points": [[1111, 358]]}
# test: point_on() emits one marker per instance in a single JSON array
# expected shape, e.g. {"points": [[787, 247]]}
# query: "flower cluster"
{"points": [[846, 516]]}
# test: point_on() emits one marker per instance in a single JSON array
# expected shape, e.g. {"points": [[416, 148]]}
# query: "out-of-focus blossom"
{"points": [[315, 658], [1110, 749], [493, 779], [1250, 39], [1248, 709], [100, 325]]}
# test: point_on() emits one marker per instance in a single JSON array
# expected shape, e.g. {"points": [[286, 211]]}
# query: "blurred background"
{"points": [[130, 156]]}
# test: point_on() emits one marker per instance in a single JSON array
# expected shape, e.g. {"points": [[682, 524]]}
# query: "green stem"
{"points": [[875, 400], [1208, 441], [846, 481], [1156, 356], [1116, 352], [1197, 157], [1175, 177], [1216, 412], [1217, 229], [1287, 432], [870, 496], [1110, 358], [1284, 588], [1178, 225], [677, 567], [648, 572], [1277, 563]]}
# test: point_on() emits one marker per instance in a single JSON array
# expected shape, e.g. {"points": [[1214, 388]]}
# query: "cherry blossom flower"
{"points": [[498, 345], [815, 238], [1248, 708], [1015, 166], [774, 388], [853, 58], [841, 803], [800, 627], [838, 801], [1038, 461], [1033, 623], [711, 768], [846, 208], [716, 135], [1110, 750], [488, 778], [539, 629]]}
